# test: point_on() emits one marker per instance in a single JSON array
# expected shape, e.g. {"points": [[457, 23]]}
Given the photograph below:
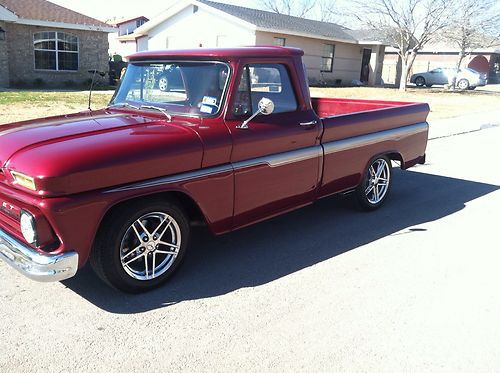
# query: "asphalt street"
{"points": [[412, 287]]}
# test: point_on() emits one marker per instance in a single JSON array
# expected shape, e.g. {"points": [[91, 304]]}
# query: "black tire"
{"points": [[471, 88], [118, 242], [371, 185], [463, 84], [428, 85], [419, 81]]}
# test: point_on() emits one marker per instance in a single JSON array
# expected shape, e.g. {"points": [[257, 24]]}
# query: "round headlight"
{"points": [[28, 227]]}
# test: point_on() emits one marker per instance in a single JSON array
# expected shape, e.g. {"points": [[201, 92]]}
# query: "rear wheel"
{"points": [[376, 183], [141, 245], [463, 84], [420, 81]]}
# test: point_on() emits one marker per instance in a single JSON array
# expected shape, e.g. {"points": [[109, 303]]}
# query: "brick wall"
{"points": [[4, 61], [93, 48]]}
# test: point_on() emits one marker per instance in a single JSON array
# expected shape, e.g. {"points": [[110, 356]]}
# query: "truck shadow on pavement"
{"points": [[273, 249]]}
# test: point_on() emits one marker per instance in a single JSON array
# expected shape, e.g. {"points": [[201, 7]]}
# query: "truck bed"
{"points": [[329, 107], [346, 118]]}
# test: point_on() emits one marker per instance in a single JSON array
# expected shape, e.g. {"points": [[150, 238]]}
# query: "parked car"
{"points": [[467, 78], [169, 78], [120, 187]]}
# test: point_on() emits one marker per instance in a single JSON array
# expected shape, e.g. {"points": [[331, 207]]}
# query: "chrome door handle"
{"points": [[307, 124]]}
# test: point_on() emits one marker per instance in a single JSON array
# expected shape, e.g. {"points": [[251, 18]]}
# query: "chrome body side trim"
{"points": [[281, 159], [34, 265], [211, 171], [274, 160], [394, 134]]}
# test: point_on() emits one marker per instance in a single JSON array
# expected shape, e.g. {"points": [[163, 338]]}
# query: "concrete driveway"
{"points": [[412, 287]]}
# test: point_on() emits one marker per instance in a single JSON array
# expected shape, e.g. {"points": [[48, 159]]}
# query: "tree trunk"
{"points": [[453, 82], [404, 74]]}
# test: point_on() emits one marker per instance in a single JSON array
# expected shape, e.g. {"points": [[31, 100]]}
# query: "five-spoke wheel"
{"points": [[376, 183]]}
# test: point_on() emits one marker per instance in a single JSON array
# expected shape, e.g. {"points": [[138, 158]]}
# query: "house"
{"points": [[42, 43], [440, 54], [119, 42], [333, 54]]}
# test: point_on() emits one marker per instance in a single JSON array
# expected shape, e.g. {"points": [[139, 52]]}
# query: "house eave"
{"points": [[64, 25], [314, 36], [7, 15]]}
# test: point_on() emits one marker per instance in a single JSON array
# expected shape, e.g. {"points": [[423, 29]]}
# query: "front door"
{"points": [[365, 65], [277, 159]]}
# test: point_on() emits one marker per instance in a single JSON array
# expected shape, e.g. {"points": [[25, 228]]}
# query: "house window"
{"points": [[139, 22], [280, 42], [55, 51], [327, 58]]}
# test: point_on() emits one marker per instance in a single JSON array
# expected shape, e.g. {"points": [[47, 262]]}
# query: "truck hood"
{"points": [[91, 150]]}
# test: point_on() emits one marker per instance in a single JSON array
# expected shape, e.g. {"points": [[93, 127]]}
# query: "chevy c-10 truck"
{"points": [[228, 137]]}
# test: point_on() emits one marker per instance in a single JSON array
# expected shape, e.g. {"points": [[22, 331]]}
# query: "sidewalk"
{"points": [[463, 124]]}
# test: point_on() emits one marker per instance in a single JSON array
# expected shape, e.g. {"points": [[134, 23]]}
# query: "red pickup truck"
{"points": [[225, 136]]}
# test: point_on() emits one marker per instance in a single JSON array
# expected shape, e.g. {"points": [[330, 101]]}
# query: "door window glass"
{"points": [[264, 80]]}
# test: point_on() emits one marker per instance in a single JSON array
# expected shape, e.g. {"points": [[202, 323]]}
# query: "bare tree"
{"points": [[476, 24], [321, 10], [298, 8], [408, 25]]}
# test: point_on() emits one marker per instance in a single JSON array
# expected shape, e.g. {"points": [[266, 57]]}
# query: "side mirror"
{"points": [[265, 107]]}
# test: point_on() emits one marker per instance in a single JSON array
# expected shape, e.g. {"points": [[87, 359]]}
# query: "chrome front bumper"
{"points": [[34, 265]]}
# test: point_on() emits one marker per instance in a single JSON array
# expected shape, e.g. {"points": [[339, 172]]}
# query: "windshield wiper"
{"points": [[125, 104], [169, 117]]}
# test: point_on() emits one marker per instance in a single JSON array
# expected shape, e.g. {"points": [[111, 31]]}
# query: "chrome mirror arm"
{"points": [[265, 107], [244, 125]]}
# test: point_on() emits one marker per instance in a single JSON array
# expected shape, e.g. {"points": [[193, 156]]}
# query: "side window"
{"points": [[264, 80]]}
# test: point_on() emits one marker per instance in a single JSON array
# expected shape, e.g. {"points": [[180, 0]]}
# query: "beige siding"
{"points": [[346, 64]]}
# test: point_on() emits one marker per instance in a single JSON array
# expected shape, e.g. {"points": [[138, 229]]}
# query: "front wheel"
{"points": [[163, 84], [374, 187], [141, 245], [420, 81]]}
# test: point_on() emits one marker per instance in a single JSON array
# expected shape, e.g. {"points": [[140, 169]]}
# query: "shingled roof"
{"points": [[281, 22], [42, 10]]}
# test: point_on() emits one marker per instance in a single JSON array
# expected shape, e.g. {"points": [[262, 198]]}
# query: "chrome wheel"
{"points": [[163, 84], [463, 84], [378, 180], [150, 246]]}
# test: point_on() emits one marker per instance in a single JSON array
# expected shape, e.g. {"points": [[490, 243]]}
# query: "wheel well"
{"points": [[193, 211], [396, 157]]}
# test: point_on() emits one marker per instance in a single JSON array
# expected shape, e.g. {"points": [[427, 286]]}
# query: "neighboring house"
{"points": [[120, 42], [42, 43], [485, 60], [333, 54]]}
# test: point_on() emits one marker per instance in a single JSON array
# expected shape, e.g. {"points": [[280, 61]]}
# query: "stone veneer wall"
{"points": [[4, 61], [93, 48]]}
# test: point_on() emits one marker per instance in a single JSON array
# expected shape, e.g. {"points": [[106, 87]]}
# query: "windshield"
{"points": [[185, 88]]}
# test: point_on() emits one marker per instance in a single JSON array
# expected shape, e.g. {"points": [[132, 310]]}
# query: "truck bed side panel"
{"points": [[351, 141]]}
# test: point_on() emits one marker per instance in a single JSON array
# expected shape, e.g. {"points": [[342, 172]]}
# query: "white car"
{"points": [[467, 78]]}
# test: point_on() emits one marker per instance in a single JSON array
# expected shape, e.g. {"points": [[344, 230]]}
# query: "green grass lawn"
{"points": [[40, 97]]}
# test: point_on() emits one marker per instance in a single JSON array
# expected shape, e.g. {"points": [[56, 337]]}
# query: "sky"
{"points": [[110, 9]]}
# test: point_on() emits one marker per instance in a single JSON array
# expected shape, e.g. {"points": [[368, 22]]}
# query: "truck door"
{"points": [[277, 158]]}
